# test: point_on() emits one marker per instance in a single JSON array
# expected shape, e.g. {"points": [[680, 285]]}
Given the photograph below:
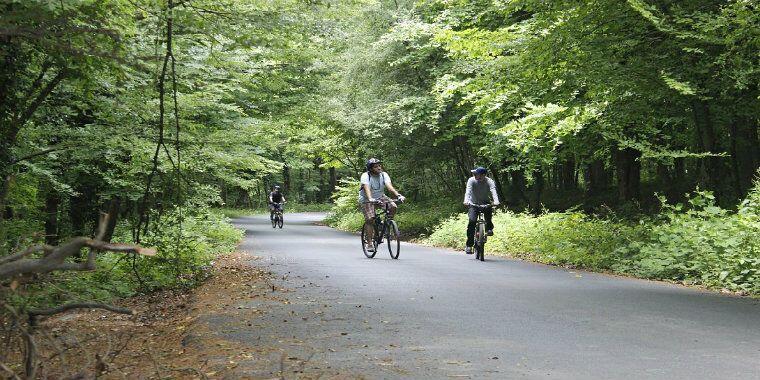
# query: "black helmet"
{"points": [[371, 162]]}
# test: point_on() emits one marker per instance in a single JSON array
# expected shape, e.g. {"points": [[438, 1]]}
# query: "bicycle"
{"points": [[384, 227], [480, 232], [277, 218]]}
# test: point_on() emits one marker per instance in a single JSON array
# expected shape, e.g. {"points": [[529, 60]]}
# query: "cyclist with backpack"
{"points": [[276, 199], [479, 188], [372, 195]]}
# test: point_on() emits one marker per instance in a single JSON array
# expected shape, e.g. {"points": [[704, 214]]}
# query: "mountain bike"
{"points": [[384, 228], [480, 232], [277, 218]]}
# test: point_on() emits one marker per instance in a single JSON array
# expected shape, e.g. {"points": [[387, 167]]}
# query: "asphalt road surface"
{"points": [[438, 313]]}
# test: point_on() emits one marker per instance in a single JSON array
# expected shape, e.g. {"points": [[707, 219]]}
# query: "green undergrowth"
{"points": [[184, 257], [695, 243]]}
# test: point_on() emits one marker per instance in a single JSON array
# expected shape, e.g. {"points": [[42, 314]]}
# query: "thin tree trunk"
{"points": [[538, 189], [708, 144], [497, 179], [333, 181], [628, 174], [52, 202], [114, 206]]}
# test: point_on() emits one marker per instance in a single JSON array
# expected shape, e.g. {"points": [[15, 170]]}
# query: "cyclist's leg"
{"points": [[368, 209], [472, 216], [271, 211], [488, 213]]}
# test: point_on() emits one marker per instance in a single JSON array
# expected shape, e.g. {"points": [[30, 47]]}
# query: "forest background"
{"points": [[622, 136]]}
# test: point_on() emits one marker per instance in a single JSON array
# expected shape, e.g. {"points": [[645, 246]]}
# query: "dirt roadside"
{"points": [[169, 335]]}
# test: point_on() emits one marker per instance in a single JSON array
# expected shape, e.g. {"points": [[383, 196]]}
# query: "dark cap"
{"points": [[479, 170]]}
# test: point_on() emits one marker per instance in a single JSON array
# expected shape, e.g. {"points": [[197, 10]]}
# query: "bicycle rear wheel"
{"points": [[279, 220], [394, 244], [480, 243], [365, 231]]}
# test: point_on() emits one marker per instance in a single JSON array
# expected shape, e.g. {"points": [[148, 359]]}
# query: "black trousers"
{"points": [[472, 214]]}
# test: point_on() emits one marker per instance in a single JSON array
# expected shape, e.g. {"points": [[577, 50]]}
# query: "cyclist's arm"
{"points": [[368, 193], [392, 189], [270, 198], [283, 199], [494, 193], [468, 194]]}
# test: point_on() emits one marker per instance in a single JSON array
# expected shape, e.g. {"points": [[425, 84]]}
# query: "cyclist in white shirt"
{"points": [[372, 195]]}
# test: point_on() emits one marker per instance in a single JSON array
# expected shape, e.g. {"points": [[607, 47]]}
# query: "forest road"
{"points": [[437, 313]]}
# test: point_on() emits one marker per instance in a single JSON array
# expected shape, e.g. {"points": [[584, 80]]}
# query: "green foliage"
{"points": [[345, 215], [703, 244], [696, 243], [568, 238], [204, 235]]}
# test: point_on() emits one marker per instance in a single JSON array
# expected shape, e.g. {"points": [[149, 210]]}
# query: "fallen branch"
{"points": [[55, 256], [10, 372], [33, 314]]}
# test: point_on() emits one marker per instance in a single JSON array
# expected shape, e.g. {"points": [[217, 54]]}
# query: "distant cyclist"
{"points": [[276, 199], [372, 195], [479, 187]]}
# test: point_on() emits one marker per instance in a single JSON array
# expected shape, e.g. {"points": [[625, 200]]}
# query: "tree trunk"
{"points": [[596, 179], [628, 170], [707, 142], [538, 189], [77, 212], [5, 210], [286, 179], [52, 201], [499, 186], [113, 215], [333, 182], [747, 152], [518, 189], [567, 175]]}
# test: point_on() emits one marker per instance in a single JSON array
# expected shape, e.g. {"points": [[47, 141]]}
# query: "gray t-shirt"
{"points": [[478, 192], [376, 184]]}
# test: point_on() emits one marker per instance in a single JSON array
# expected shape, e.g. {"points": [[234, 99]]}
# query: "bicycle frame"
{"points": [[383, 227], [480, 232], [381, 223]]}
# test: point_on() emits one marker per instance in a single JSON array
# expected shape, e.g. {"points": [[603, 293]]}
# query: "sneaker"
{"points": [[468, 250], [489, 233], [369, 247]]}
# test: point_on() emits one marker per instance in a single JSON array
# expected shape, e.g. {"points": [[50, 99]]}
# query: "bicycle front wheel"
{"points": [[279, 220], [394, 244], [479, 251], [365, 232], [274, 221], [480, 244]]}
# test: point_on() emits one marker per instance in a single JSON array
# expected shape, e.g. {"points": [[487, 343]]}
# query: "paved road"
{"points": [[437, 313]]}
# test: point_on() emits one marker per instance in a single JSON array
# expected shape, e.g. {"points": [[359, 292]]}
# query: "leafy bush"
{"points": [[697, 243], [569, 238], [205, 234], [700, 243], [345, 214]]}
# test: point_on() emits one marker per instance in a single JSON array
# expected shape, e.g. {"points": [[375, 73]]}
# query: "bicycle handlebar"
{"points": [[377, 201]]}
